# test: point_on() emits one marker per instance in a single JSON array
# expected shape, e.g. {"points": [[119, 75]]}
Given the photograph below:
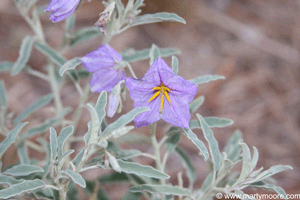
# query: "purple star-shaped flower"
{"points": [[101, 62], [61, 9], [165, 93]]}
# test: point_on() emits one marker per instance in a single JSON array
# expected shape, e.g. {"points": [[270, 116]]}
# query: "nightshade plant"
{"points": [[160, 94]]}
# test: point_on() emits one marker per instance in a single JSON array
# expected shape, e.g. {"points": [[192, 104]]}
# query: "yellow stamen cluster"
{"points": [[162, 91]]}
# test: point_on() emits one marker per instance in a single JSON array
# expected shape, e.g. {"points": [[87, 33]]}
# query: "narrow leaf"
{"points": [[50, 53], [8, 180], [246, 167], [33, 107], [212, 122], [191, 172], [175, 64], [69, 65], [154, 53], [63, 136], [3, 100], [113, 162], [122, 121], [17, 189], [53, 144], [163, 189], [207, 78], [232, 147], [23, 154], [212, 142], [271, 187], [24, 55], [78, 157], [126, 154], [10, 138], [85, 34], [95, 124], [121, 131], [23, 170], [193, 137], [196, 103], [6, 66], [141, 170], [77, 178], [172, 141], [271, 171], [254, 158]]}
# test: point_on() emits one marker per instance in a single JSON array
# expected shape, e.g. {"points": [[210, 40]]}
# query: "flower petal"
{"points": [[106, 79], [104, 57], [61, 9], [139, 90]]}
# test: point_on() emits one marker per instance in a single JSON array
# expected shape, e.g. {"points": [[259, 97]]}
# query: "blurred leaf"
{"points": [[23, 154], [137, 55], [72, 193], [232, 147], [120, 7], [63, 158], [77, 178], [113, 178], [271, 171], [53, 144], [50, 53], [130, 196], [193, 137], [114, 100], [78, 157], [212, 122], [191, 173], [85, 34], [100, 105], [3, 100], [246, 167], [95, 126], [175, 64], [113, 162], [154, 53], [172, 141], [69, 65], [23, 170], [44, 193], [207, 182], [126, 154], [70, 24], [196, 103], [141, 170], [271, 187], [137, 4], [24, 55], [87, 135], [163, 189], [10, 138], [44, 100], [6, 66], [61, 139], [225, 167], [17, 189], [212, 142], [121, 131], [123, 120], [8, 180], [206, 78], [254, 158]]}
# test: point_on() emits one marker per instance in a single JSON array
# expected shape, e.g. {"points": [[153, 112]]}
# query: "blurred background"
{"points": [[253, 43]]}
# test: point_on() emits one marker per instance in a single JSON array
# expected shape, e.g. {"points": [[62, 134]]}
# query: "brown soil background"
{"points": [[253, 43]]}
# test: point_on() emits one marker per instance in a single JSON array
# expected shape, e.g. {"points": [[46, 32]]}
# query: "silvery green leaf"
{"points": [[50, 53], [130, 196], [240, 193], [6, 66], [95, 126], [69, 65], [46, 147], [77, 178], [137, 4], [207, 182], [206, 78], [3, 100], [172, 141], [175, 64], [29, 5], [120, 7], [212, 142], [233, 148], [53, 143], [254, 158], [225, 167], [271, 187], [23, 154], [78, 157], [19, 188], [114, 100], [70, 24], [141, 170], [63, 157], [271, 171], [113, 178], [212, 122], [24, 55], [8, 180], [163, 189], [154, 53], [123, 120], [23, 170], [196, 103], [246, 167], [126, 154], [100, 105], [63, 136], [44, 193], [157, 17], [87, 135], [113, 162], [193, 137], [85, 34], [121, 131], [191, 173], [44, 100], [133, 55], [10, 138]]}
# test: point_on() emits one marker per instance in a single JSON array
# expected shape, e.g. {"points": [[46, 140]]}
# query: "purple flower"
{"points": [[102, 62], [61, 9], [166, 94]]}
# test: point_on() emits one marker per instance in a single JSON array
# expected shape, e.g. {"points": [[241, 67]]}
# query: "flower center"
{"points": [[162, 91]]}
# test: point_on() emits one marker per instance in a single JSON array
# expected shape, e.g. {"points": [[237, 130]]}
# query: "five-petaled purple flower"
{"points": [[102, 62], [61, 9], [165, 93]]}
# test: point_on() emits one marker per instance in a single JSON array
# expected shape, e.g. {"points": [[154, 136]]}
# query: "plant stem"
{"points": [[54, 87]]}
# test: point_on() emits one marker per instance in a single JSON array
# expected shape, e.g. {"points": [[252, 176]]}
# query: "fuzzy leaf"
{"points": [[271, 171], [8, 180], [85, 34], [212, 122], [172, 141], [141, 170], [44, 100], [78, 157], [17, 189], [175, 64], [95, 124], [246, 167], [212, 142], [63, 136], [24, 55], [50, 53], [10, 138], [254, 158], [271, 187], [77, 178], [163, 189], [193, 137], [126, 154], [3, 100], [69, 65], [154, 53], [206, 78], [23, 154], [100, 105], [23, 170], [53, 143], [196, 103], [207, 182], [6, 66], [232, 147], [121, 131], [191, 173], [113, 162]]}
